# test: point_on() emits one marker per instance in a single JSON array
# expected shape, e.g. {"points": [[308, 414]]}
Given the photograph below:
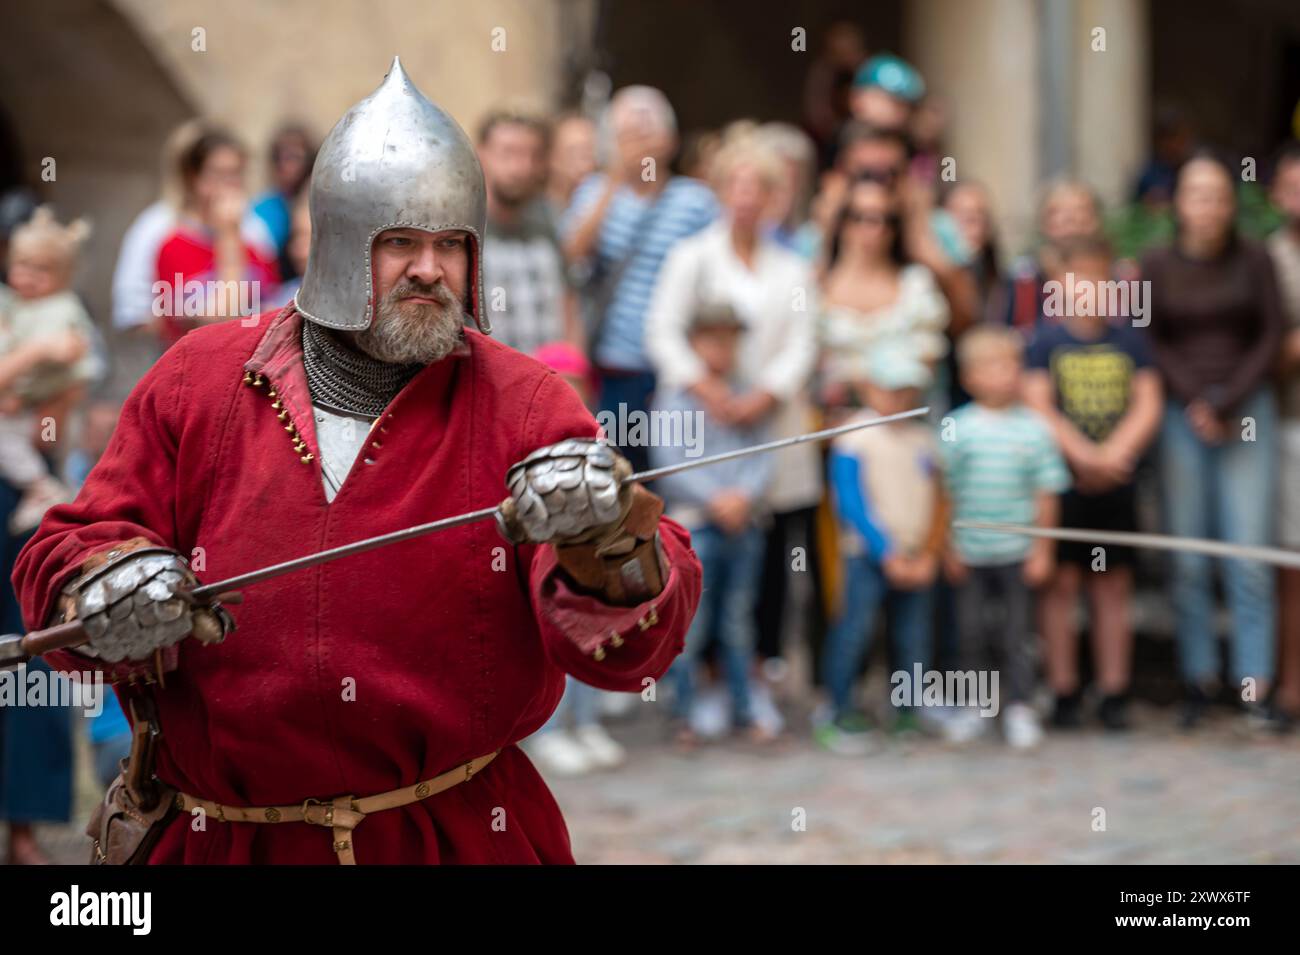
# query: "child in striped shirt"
{"points": [[1001, 464]]}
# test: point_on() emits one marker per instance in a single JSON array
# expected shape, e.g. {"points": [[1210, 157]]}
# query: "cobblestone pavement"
{"points": [[1213, 797]]}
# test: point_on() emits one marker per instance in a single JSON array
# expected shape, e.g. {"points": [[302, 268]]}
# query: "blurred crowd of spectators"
{"points": [[765, 279]]}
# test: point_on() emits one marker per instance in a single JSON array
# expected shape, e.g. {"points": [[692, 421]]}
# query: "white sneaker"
{"points": [[775, 669], [1020, 726], [617, 704], [763, 709], [559, 754], [961, 726], [711, 714], [601, 748]]}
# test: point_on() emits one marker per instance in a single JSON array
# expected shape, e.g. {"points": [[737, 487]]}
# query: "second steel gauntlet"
{"points": [[574, 495]]}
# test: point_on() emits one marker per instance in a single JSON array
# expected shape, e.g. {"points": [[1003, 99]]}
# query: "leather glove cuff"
{"points": [[625, 563]]}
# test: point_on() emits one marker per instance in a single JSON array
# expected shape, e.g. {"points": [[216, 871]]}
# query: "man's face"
{"points": [[641, 135], [873, 105], [883, 159], [513, 163], [420, 280], [420, 260]]}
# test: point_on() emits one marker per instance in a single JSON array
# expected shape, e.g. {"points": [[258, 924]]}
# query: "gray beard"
{"points": [[407, 333]]}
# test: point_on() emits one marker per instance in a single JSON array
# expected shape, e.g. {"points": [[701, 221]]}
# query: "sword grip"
{"points": [[16, 649]]}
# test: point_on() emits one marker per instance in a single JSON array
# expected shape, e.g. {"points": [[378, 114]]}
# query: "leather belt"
{"points": [[342, 814]]}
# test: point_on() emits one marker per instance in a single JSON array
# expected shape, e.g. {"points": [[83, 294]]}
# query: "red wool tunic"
{"points": [[379, 670]]}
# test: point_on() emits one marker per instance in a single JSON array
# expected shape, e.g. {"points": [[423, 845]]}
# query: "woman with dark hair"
{"points": [[872, 293], [968, 204], [293, 150], [206, 269], [1216, 326]]}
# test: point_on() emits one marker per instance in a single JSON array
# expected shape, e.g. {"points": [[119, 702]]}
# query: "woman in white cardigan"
{"points": [[773, 290]]}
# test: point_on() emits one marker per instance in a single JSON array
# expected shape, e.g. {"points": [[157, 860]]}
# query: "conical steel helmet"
{"points": [[395, 160]]}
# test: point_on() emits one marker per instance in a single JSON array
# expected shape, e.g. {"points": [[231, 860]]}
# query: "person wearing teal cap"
{"points": [[886, 89]]}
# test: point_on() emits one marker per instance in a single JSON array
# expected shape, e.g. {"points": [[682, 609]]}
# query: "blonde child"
{"points": [[1001, 464], [45, 337]]}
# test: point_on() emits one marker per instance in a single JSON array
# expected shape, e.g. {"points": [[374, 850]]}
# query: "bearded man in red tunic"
{"points": [[366, 709]]}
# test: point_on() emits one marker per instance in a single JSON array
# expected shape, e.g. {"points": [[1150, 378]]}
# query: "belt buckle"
{"points": [[329, 812]]}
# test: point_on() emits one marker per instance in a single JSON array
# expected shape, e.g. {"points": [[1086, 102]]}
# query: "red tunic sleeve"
{"points": [[639, 642], [130, 493]]}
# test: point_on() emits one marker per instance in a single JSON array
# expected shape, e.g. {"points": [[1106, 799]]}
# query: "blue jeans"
{"points": [[622, 394], [36, 750], [731, 565], [580, 700], [1226, 491], [865, 591]]}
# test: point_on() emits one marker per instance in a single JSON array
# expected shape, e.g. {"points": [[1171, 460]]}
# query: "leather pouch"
{"points": [[130, 819]]}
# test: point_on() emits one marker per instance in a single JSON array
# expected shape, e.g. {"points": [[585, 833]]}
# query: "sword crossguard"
{"points": [[507, 521]]}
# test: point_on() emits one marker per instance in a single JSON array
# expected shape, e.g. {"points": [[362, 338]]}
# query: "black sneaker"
{"points": [[1114, 713], [1283, 721], [1267, 717], [1196, 703], [1067, 713]]}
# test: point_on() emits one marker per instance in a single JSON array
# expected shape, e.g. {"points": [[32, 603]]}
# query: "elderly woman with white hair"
{"points": [[789, 218], [736, 262]]}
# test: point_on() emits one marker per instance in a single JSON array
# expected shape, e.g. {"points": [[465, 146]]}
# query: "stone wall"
{"points": [[96, 85]]}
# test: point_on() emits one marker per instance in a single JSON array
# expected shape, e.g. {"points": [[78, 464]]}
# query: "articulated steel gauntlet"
{"points": [[571, 494], [137, 601]]}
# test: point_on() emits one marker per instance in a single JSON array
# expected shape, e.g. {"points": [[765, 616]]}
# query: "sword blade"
{"points": [[1193, 545], [776, 445], [334, 553], [419, 530]]}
